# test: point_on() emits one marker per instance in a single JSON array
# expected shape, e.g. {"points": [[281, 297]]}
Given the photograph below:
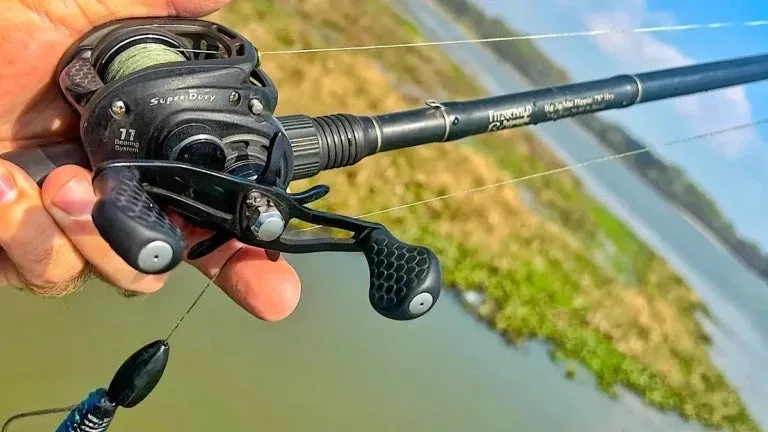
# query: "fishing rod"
{"points": [[178, 114]]}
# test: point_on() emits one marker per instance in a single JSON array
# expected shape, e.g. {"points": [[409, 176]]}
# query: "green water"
{"points": [[333, 365]]}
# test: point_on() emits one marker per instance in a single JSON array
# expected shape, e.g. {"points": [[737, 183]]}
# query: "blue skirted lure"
{"points": [[132, 383], [94, 414]]}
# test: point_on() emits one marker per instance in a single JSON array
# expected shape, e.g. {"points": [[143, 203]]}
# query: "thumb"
{"points": [[80, 16], [194, 8], [116, 9]]}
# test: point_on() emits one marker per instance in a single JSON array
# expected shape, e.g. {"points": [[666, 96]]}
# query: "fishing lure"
{"points": [[132, 383], [178, 114]]}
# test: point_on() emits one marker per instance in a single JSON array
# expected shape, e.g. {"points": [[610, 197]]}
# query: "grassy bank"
{"points": [[552, 264]]}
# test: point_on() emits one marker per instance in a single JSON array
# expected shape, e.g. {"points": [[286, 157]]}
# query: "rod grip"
{"points": [[38, 162], [133, 225], [405, 280]]}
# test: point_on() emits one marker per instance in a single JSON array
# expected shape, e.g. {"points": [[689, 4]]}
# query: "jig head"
{"points": [[131, 384]]}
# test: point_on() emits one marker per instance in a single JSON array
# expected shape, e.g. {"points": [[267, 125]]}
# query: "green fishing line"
{"points": [[139, 57]]}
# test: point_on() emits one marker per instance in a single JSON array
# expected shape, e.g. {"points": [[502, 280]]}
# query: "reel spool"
{"points": [[133, 58]]}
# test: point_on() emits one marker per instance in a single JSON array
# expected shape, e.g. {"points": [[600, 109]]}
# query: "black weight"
{"points": [[139, 374]]}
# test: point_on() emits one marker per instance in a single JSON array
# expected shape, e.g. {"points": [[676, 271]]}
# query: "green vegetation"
{"points": [[670, 180], [556, 267]]}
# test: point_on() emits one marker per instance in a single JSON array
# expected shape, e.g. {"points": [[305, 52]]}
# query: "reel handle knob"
{"points": [[405, 280], [132, 223]]}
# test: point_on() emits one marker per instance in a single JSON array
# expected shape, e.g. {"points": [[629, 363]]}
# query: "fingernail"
{"points": [[76, 198], [7, 186], [273, 256]]}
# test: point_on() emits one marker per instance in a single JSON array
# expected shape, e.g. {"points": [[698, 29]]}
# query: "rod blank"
{"points": [[455, 120], [700, 78]]}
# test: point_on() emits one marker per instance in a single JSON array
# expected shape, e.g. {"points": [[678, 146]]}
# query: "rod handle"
{"points": [[38, 162], [133, 225], [405, 280]]}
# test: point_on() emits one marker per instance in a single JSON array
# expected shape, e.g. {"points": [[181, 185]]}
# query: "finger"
{"points": [[267, 288], [68, 195], [10, 277], [88, 14], [39, 255], [195, 8]]}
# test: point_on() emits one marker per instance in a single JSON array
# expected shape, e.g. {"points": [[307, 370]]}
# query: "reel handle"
{"points": [[133, 224], [405, 280]]}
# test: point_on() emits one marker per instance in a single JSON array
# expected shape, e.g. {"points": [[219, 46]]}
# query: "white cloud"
{"points": [[643, 51]]}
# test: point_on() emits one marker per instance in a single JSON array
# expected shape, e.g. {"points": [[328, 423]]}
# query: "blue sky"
{"points": [[732, 167]]}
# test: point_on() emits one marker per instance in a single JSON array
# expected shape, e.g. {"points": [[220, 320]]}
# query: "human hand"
{"points": [[48, 242]]}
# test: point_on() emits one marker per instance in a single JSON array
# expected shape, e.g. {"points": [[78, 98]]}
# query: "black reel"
{"points": [[177, 114]]}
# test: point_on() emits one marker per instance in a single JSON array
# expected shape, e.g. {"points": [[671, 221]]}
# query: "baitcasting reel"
{"points": [[177, 114]]}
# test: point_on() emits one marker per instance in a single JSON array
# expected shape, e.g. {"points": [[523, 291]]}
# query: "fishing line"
{"points": [[196, 50], [202, 292], [141, 56], [657, 29], [35, 414], [192, 306], [586, 163], [144, 55], [167, 338]]}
